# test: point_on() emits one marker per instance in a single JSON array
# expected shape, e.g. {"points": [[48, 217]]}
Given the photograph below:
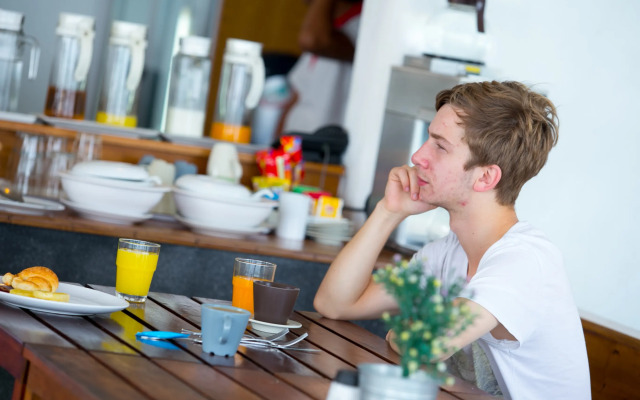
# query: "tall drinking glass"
{"points": [[136, 262], [245, 271]]}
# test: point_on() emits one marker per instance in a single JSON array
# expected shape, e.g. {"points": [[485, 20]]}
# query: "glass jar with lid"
{"points": [[125, 61], [189, 87], [66, 96]]}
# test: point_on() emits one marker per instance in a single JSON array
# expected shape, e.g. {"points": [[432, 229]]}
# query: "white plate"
{"points": [[18, 117], [96, 127], [82, 301], [106, 216], [208, 229], [31, 206], [273, 328]]}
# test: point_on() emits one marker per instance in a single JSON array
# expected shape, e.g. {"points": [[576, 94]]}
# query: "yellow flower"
{"points": [[400, 282], [386, 316], [416, 326], [437, 283], [439, 308], [449, 381], [413, 352], [413, 366], [427, 335], [404, 336]]}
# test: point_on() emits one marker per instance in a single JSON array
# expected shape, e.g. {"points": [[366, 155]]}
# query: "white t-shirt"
{"points": [[323, 88], [522, 282]]}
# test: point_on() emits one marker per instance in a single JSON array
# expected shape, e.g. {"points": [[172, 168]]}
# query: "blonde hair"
{"points": [[505, 124]]}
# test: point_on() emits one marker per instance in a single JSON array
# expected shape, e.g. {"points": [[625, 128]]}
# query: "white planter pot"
{"points": [[385, 382]]}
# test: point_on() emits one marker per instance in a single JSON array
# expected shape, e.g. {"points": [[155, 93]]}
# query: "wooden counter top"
{"points": [[173, 232]]}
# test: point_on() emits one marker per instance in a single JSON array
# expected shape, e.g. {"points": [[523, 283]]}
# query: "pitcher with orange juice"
{"points": [[239, 90], [245, 271], [136, 262]]}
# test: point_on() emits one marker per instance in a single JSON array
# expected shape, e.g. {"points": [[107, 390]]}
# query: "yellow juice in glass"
{"points": [[134, 272]]}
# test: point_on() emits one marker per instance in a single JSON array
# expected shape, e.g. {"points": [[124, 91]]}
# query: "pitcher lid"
{"points": [[74, 24], [128, 30], [243, 47], [11, 20], [197, 46]]}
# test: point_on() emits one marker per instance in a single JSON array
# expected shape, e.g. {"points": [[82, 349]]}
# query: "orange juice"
{"points": [[135, 270], [243, 292], [129, 121], [231, 133]]}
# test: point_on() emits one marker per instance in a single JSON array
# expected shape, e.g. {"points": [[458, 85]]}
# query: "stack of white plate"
{"points": [[329, 231], [110, 191]]}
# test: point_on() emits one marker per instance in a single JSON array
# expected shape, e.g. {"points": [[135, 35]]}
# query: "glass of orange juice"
{"points": [[136, 262], [245, 271]]}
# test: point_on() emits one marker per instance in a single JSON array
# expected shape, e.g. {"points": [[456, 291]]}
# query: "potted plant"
{"points": [[427, 316]]}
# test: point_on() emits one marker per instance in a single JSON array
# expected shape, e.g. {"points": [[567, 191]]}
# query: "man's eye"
{"points": [[440, 147]]}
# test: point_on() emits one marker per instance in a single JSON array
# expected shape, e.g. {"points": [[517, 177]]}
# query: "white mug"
{"points": [[292, 215]]}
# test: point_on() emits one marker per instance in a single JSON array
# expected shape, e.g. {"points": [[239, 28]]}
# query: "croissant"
{"points": [[34, 278]]}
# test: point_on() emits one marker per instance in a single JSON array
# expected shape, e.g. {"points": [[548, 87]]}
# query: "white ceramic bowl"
{"points": [[112, 195], [222, 213], [212, 187]]}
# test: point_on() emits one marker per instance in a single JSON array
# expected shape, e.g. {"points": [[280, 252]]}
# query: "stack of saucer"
{"points": [[329, 231]]}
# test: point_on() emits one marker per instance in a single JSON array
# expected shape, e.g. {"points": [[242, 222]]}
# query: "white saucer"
{"points": [[273, 328], [31, 206], [214, 230], [105, 216]]}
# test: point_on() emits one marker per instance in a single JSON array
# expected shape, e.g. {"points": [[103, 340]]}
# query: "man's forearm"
{"points": [[347, 291]]}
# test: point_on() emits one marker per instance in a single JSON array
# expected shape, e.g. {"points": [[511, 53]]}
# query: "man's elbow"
{"points": [[325, 308]]}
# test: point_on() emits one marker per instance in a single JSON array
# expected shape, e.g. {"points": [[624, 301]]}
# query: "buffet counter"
{"points": [[167, 230]]}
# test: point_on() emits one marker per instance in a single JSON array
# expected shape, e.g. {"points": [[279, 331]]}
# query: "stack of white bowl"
{"points": [[329, 231], [111, 191], [212, 206]]}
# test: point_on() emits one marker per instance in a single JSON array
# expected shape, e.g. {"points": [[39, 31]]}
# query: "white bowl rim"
{"points": [[115, 183], [259, 202], [111, 169]]}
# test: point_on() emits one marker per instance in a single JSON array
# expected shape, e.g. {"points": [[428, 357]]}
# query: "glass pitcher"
{"points": [[12, 43], [119, 98], [240, 87], [66, 95], [189, 87]]}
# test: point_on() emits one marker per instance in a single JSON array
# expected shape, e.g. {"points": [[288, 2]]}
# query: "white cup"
{"points": [[292, 215]]}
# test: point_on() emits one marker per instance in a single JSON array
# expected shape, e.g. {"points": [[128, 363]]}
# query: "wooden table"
{"points": [[98, 357]]}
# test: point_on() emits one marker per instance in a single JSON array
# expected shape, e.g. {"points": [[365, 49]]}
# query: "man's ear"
{"points": [[489, 178]]}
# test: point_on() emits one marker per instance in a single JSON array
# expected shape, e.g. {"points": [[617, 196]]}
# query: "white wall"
{"points": [[585, 58]]}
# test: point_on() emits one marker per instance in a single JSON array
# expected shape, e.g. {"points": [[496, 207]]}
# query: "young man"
{"points": [[486, 140]]}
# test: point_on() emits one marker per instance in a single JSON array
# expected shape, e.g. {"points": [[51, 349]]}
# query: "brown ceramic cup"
{"points": [[273, 302]]}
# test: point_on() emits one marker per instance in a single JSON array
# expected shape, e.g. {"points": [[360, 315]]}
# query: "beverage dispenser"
{"points": [[12, 44], [189, 87], [118, 103], [240, 88], [66, 96]]}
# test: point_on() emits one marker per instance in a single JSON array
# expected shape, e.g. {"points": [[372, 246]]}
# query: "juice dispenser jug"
{"points": [[119, 98], [240, 88], [12, 42], [188, 87], [66, 95]]}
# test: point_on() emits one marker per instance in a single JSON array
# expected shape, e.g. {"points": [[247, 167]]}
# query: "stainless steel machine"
{"points": [[409, 108]]}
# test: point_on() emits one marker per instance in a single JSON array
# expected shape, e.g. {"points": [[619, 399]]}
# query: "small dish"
{"points": [[273, 328], [30, 206], [110, 217], [206, 228]]}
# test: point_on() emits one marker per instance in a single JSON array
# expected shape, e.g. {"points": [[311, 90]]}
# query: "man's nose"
{"points": [[420, 157]]}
